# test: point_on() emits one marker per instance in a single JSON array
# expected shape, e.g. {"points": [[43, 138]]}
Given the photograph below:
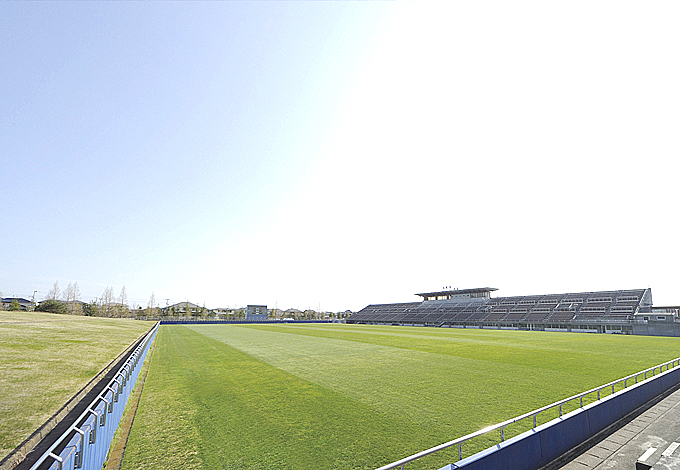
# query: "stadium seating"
{"points": [[525, 312]]}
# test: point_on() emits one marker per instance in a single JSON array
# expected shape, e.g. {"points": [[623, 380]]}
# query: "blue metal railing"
{"points": [[88, 439], [646, 374]]}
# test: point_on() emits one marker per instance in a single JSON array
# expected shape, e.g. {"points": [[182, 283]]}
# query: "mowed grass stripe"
{"points": [[249, 414], [432, 378], [600, 356], [431, 391], [503, 378], [46, 358]]}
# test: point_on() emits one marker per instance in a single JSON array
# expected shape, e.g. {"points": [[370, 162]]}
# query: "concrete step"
{"points": [[651, 459]]}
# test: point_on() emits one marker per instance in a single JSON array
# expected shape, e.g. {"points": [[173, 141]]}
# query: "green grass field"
{"points": [[352, 396], [45, 359]]}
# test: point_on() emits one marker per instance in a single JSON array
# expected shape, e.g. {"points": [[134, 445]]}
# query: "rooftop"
{"points": [[478, 290]]}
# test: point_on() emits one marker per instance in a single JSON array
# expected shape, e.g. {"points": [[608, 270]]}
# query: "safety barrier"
{"points": [[191, 321], [85, 444], [546, 442]]}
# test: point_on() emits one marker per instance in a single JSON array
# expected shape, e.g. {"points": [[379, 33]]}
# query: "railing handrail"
{"points": [[100, 396], [494, 427]]}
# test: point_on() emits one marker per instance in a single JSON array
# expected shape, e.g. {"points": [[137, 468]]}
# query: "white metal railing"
{"points": [[90, 435], [532, 414]]}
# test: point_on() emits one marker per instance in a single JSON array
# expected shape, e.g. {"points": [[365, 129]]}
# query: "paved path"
{"points": [[657, 428]]}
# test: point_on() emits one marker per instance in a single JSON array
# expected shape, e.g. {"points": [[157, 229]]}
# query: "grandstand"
{"points": [[594, 312]]}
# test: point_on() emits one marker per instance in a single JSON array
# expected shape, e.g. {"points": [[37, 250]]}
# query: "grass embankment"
{"points": [[45, 359], [331, 396]]}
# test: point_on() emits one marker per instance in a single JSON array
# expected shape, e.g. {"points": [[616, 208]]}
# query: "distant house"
{"points": [[275, 314], [182, 308], [293, 313], [23, 303]]}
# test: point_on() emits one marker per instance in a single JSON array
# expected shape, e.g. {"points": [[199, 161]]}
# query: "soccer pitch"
{"points": [[354, 396]]}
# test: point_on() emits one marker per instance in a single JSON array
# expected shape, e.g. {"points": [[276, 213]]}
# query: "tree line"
{"points": [[69, 301], [108, 304]]}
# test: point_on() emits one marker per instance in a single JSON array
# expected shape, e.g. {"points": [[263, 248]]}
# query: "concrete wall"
{"points": [[657, 328]]}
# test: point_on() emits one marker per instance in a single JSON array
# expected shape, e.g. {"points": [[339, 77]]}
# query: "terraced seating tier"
{"points": [[605, 306]]}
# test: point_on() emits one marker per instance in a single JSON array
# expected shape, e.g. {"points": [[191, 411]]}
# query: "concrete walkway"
{"points": [[657, 428]]}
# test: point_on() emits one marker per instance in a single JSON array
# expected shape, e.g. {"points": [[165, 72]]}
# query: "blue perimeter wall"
{"points": [[548, 441], [234, 322]]}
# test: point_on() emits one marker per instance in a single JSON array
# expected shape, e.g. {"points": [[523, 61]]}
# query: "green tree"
{"points": [[14, 306], [90, 309], [51, 306]]}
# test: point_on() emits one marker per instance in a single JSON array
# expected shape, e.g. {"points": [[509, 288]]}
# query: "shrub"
{"points": [[91, 309], [51, 306]]}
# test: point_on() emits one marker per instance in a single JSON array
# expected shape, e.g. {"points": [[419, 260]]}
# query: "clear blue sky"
{"points": [[332, 154]]}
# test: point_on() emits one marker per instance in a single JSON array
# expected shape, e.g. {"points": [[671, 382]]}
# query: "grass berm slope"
{"points": [[46, 358], [354, 396]]}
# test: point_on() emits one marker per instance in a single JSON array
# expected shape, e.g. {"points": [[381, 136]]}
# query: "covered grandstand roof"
{"points": [[478, 290]]}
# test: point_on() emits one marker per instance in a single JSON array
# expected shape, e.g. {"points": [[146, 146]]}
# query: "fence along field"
{"points": [[354, 396], [45, 359]]}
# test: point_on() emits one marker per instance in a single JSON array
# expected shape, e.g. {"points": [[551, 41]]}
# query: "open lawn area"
{"points": [[355, 396], [46, 358]]}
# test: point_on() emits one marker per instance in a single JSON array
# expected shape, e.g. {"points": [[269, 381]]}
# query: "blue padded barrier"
{"points": [[604, 413], [670, 378], [654, 388], [516, 453], [633, 399], [561, 434]]}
